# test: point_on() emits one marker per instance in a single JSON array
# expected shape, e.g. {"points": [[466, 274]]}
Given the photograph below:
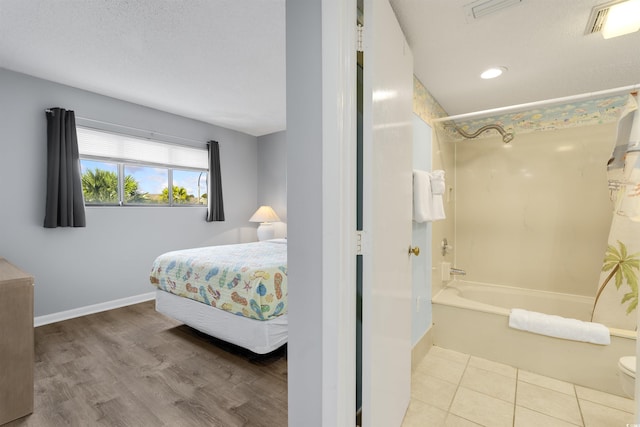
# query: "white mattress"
{"points": [[259, 336]]}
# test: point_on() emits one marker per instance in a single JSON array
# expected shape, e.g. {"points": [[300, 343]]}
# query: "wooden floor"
{"points": [[135, 367]]}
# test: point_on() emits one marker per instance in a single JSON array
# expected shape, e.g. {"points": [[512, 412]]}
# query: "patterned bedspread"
{"points": [[248, 279]]}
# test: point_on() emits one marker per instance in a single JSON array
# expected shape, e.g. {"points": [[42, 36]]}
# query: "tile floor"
{"points": [[455, 389]]}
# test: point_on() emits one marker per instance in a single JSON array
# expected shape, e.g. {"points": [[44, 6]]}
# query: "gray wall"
{"points": [[110, 258], [305, 255], [272, 176]]}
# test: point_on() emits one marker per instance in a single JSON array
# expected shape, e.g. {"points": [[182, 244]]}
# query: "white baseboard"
{"points": [[421, 348], [91, 309]]}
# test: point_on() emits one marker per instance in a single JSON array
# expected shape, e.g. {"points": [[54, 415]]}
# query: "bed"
{"points": [[237, 293]]}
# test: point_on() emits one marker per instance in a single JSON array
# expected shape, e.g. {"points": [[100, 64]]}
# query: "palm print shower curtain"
{"points": [[617, 294]]}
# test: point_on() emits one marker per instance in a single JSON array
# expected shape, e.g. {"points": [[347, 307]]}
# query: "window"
{"points": [[99, 182], [124, 170], [189, 187], [146, 185]]}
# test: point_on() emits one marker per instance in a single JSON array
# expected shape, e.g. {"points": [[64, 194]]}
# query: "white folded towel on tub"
{"points": [[559, 327]]}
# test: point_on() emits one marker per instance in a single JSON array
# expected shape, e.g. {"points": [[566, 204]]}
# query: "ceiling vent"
{"points": [[480, 8], [598, 17], [615, 18]]}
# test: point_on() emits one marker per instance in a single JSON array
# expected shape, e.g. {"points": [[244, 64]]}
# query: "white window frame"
{"points": [[127, 150]]}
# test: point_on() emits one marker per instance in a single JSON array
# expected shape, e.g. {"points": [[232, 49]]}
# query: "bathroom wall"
{"points": [[427, 278], [534, 213], [421, 238], [443, 153]]}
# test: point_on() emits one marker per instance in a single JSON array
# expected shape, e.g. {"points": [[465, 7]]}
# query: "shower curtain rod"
{"points": [[539, 103]]}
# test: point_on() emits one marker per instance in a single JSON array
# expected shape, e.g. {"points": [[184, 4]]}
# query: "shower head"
{"points": [[506, 136]]}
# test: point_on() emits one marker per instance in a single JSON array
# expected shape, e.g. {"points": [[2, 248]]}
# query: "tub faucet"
{"points": [[457, 272]]}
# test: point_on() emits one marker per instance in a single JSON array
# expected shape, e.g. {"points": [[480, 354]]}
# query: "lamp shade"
{"points": [[264, 214]]}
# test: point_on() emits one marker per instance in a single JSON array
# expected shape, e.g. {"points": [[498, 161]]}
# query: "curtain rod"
{"points": [[152, 133], [539, 103]]}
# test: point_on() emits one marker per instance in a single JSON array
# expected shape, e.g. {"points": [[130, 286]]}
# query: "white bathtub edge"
{"points": [[450, 296]]}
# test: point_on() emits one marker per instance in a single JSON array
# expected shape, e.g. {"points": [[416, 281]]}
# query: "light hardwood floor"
{"points": [[135, 367]]}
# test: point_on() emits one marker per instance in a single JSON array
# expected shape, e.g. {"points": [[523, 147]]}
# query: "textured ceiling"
{"points": [[541, 42], [219, 61], [223, 61]]}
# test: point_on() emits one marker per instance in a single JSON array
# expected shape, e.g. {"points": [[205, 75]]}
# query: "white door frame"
{"points": [[321, 140], [339, 105]]}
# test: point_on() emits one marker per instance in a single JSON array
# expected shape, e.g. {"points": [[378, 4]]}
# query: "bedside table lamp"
{"points": [[265, 216]]}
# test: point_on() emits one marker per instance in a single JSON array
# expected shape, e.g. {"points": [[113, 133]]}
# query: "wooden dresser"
{"points": [[16, 342]]}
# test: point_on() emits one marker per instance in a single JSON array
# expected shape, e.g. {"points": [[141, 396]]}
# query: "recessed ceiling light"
{"points": [[492, 73]]}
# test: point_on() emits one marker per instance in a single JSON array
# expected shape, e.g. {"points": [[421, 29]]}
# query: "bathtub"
{"points": [[473, 318]]}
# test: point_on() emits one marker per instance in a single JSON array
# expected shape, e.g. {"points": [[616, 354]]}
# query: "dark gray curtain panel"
{"points": [[215, 207], [65, 202]]}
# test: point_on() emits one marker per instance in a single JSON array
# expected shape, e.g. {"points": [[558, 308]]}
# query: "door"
{"points": [[387, 214]]}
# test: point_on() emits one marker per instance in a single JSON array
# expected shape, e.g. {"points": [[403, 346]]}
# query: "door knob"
{"points": [[415, 251]]}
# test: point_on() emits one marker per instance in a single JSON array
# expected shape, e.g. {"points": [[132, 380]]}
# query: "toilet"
{"points": [[627, 374]]}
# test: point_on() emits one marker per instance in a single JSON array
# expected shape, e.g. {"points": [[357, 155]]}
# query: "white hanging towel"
{"points": [[422, 198], [559, 327], [438, 188]]}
